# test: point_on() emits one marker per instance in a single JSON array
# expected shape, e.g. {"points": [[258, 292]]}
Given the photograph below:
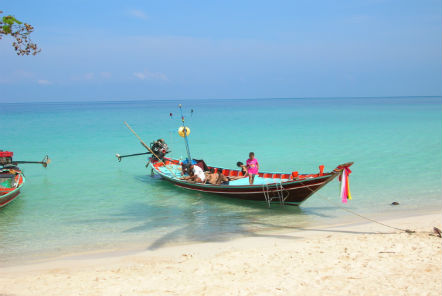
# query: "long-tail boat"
{"points": [[11, 181], [11, 176], [290, 188], [286, 188]]}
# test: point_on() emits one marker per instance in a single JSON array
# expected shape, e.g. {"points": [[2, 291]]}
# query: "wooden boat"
{"points": [[286, 188], [11, 181], [11, 176]]}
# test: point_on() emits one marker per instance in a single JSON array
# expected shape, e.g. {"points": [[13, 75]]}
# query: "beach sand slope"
{"points": [[364, 259]]}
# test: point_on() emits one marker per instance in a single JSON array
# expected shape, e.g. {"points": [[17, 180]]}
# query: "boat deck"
{"points": [[259, 179]]}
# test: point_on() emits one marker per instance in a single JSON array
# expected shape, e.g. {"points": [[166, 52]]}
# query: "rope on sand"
{"points": [[436, 231], [372, 220], [366, 218]]}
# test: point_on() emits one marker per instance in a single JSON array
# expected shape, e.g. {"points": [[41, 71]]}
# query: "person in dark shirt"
{"points": [[243, 168]]}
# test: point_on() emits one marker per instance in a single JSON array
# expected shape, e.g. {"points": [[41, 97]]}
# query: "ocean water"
{"points": [[86, 201]]}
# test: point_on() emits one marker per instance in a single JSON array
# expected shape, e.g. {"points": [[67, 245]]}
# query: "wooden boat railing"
{"points": [[278, 177]]}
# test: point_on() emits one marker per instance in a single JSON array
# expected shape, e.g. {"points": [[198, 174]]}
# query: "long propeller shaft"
{"points": [[129, 155], [46, 160], [148, 148]]}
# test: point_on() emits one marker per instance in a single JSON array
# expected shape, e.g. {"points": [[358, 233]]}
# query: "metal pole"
{"points": [[185, 137], [148, 148]]}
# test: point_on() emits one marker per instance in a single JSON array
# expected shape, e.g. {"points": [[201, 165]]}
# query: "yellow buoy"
{"points": [[181, 131]]}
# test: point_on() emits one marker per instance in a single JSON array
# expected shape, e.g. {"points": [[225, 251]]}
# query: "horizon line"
{"points": [[219, 99]]}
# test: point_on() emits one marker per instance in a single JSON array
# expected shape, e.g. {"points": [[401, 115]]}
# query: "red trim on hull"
{"points": [[8, 199]]}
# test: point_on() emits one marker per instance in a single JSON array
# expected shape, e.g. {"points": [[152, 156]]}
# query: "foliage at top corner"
{"points": [[19, 31]]}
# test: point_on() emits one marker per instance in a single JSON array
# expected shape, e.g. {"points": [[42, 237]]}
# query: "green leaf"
{"points": [[7, 29], [10, 20]]}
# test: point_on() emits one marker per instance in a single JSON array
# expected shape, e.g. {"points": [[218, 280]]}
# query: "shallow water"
{"points": [[86, 200]]}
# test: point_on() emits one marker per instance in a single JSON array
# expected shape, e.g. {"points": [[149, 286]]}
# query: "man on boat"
{"points": [[198, 174], [211, 177]]}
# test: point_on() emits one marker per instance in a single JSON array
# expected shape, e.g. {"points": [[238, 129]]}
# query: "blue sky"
{"points": [[130, 50]]}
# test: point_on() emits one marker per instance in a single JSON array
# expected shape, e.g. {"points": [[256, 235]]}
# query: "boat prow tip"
{"points": [[344, 165]]}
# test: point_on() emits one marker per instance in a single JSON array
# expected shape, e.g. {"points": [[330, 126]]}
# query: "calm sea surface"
{"points": [[86, 200]]}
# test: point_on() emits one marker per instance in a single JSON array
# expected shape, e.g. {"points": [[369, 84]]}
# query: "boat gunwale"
{"points": [[326, 176]]}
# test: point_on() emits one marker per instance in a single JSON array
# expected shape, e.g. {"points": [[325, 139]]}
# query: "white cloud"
{"points": [[23, 74], [139, 75], [92, 76], [137, 14], [44, 82], [106, 75], [146, 75], [89, 76]]}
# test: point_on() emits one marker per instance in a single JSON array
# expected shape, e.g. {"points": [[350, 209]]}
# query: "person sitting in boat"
{"points": [[198, 174], [187, 173], [221, 178], [252, 167], [244, 172], [243, 168], [197, 162], [211, 177]]}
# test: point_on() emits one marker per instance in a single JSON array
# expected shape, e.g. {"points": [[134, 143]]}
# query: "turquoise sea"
{"points": [[87, 201]]}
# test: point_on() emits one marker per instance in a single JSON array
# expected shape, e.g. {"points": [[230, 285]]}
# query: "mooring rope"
{"points": [[370, 219], [363, 217]]}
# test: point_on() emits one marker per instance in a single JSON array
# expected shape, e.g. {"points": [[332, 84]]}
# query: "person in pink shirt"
{"points": [[252, 167]]}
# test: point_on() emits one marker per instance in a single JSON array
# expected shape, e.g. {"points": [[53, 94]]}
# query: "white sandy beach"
{"points": [[364, 259]]}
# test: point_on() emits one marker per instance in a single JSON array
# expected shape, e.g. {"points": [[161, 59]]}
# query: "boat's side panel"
{"points": [[7, 198], [294, 192]]}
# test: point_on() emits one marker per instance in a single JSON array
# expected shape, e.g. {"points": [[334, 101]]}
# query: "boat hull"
{"points": [[8, 198], [292, 192], [9, 194]]}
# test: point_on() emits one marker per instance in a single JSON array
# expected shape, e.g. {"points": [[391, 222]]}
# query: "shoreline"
{"points": [[337, 260], [138, 247]]}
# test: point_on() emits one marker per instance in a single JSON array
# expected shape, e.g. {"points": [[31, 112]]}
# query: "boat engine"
{"points": [[5, 157], [160, 148]]}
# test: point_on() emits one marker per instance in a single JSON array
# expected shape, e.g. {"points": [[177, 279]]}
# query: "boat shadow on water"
{"points": [[194, 233], [205, 217], [170, 215]]}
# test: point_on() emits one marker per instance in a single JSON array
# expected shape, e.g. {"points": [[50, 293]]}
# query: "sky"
{"points": [[141, 50]]}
